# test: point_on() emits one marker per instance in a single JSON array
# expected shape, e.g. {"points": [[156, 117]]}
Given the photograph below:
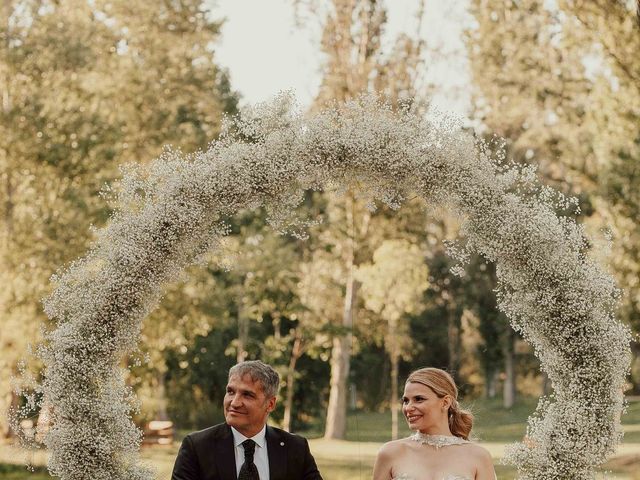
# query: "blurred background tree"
{"points": [[578, 121], [392, 287], [86, 87], [354, 64]]}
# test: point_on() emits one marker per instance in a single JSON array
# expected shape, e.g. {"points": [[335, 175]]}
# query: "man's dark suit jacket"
{"points": [[209, 455]]}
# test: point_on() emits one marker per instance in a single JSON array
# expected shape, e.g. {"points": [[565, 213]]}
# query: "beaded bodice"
{"points": [[450, 476], [437, 441]]}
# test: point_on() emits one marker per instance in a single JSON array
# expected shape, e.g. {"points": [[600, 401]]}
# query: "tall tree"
{"points": [[51, 135], [320, 292], [493, 326], [611, 36], [559, 80], [354, 64], [392, 287], [87, 86]]}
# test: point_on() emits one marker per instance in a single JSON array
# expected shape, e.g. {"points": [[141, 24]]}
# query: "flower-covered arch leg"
{"points": [[171, 213]]}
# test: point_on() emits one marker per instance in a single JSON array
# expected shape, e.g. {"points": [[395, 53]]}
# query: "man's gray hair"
{"points": [[258, 372]]}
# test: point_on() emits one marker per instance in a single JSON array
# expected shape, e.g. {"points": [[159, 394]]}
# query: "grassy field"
{"points": [[353, 458]]}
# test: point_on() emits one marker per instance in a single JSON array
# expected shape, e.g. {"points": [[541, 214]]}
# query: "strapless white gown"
{"points": [[437, 441], [449, 476]]}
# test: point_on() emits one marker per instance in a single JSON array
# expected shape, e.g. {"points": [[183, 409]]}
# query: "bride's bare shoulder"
{"points": [[394, 447], [389, 455], [477, 451]]}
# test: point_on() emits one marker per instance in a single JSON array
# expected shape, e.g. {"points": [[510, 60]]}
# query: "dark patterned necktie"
{"points": [[249, 471]]}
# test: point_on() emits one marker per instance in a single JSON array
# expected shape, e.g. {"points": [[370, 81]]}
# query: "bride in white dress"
{"points": [[440, 448]]}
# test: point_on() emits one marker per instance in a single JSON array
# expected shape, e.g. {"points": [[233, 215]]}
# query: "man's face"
{"points": [[246, 406]]}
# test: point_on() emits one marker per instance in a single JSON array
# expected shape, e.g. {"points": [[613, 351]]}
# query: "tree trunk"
{"points": [[340, 363], [296, 353], [337, 409], [162, 397], [395, 360], [509, 392], [243, 331], [336, 425], [385, 375], [453, 341], [491, 380]]}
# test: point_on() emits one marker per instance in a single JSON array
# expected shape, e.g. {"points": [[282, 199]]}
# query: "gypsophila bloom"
{"points": [[172, 212]]}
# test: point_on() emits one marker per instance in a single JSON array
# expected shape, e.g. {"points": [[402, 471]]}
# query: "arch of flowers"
{"points": [[172, 212]]}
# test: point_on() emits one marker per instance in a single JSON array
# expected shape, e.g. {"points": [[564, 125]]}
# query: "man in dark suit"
{"points": [[245, 447]]}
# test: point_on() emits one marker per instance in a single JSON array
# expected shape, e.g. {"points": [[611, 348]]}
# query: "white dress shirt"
{"points": [[260, 456]]}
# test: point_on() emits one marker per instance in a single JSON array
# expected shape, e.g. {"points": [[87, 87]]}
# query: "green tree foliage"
{"points": [[196, 377], [355, 64], [355, 60], [612, 37], [265, 302], [87, 86], [392, 287], [560, 81]]}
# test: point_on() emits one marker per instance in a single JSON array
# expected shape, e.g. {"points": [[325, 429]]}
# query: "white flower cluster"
{"points": [[173, 210]]}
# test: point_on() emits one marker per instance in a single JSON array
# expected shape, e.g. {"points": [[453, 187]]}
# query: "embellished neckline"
{"points": [[437, 441]]}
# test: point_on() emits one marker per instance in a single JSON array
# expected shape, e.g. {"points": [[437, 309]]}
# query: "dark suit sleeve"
{"points": [[310, 469], [186, 466]]}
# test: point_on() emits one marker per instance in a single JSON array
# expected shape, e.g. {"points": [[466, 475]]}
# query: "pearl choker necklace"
{"points": [[437, 440]]}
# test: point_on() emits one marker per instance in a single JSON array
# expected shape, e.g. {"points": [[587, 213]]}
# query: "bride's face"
{"points": [[422, 408]]}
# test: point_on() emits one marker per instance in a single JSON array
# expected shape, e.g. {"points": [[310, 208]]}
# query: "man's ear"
{"points": [[271, 404]]}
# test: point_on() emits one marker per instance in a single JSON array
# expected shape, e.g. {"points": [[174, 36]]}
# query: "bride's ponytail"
{"points": [[460, 421]]}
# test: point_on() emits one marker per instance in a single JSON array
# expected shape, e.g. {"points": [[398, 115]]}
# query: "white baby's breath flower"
{"points": [[172, 212]]}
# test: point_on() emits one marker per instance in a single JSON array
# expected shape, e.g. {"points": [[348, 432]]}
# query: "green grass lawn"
{"points": [[353, 458], [492, 423], [19, 472], [631, 422]]}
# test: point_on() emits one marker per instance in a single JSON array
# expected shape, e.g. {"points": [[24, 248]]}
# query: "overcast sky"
{"points": [[265, 52]]}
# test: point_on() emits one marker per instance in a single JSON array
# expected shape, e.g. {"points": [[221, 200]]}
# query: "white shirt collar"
{"points": [[259, 438]]}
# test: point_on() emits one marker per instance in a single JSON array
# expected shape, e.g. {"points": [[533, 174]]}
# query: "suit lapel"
{"points": [[225, 455], [277, 451]]}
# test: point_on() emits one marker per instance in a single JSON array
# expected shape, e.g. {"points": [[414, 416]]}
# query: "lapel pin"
{"points": [[282, 444]]}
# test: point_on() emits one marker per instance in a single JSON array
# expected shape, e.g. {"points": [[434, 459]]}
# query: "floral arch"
{"points": [[560, 300]]}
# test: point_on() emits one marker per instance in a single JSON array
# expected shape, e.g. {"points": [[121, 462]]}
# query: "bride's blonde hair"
{"points": [[460, 421]]}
